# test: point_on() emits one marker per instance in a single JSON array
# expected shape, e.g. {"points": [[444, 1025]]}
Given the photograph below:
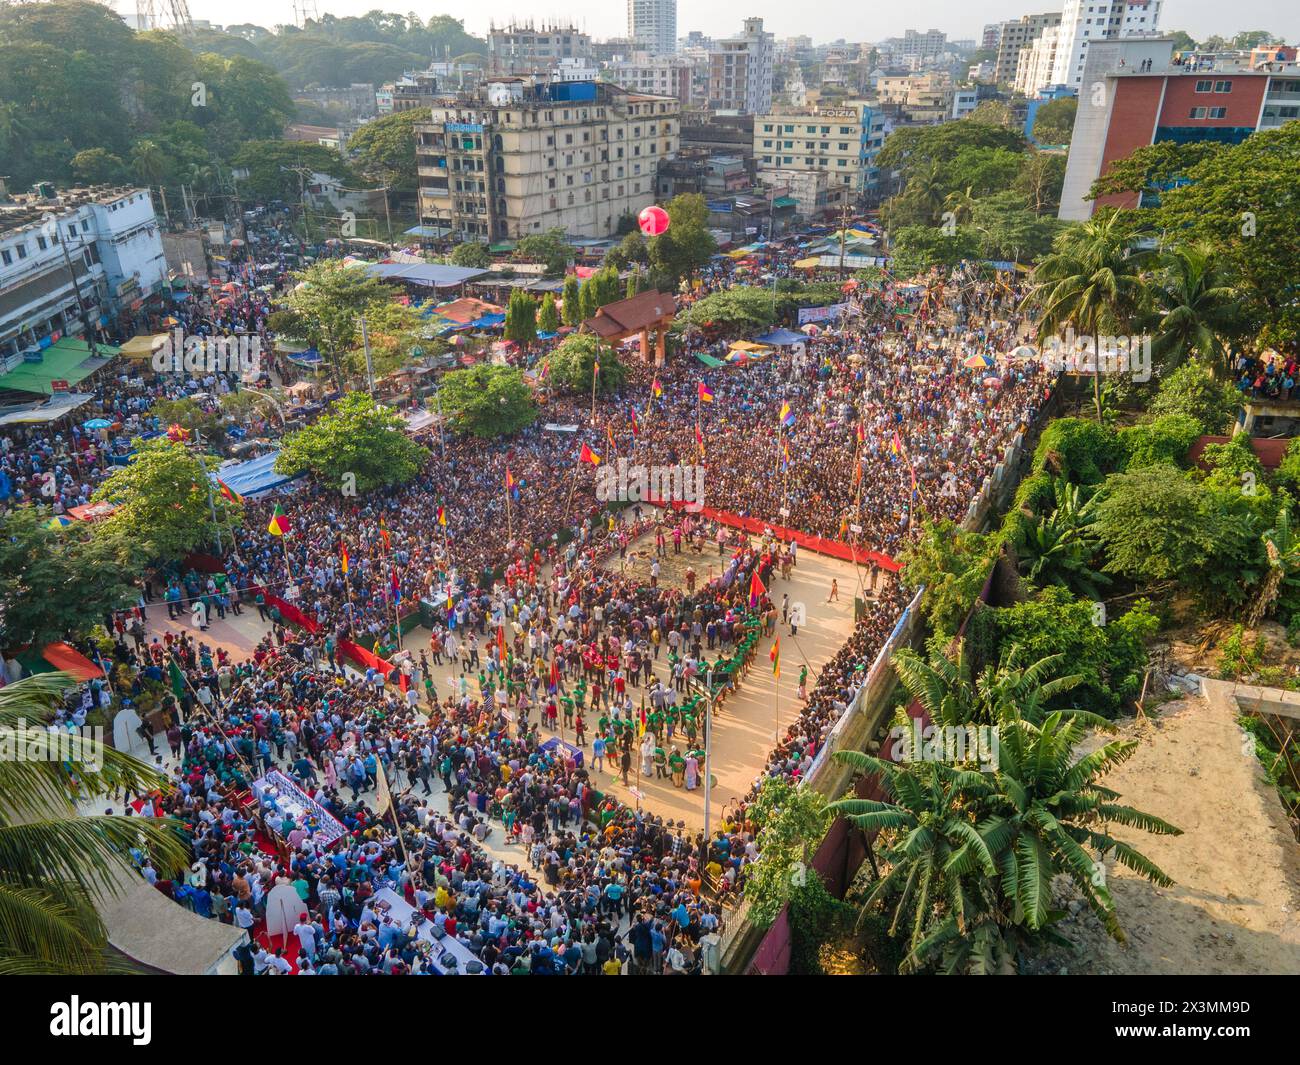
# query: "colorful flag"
{"points": [[636, 426], [699, 440], [656, 389], [775, 656], [229, 492], [343, 557], [609, 435], [704, 392], [512, 486], [279, 522], [787, 415], [587, 455], [785, 455], [895, 445], [595, 368], [442, 516], [501, 642], [383, 535], [861, 433], [756, 588], [395, 585]]}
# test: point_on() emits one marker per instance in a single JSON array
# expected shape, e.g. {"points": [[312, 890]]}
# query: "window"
{"points": [[1217, 112], [21, 249], [6, 257], [1223, 86], [1197, 112]]}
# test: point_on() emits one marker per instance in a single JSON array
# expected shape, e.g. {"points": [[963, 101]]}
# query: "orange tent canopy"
{"points": [[70, 660]]}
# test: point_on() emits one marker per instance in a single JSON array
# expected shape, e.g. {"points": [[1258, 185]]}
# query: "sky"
{"points": [[823, 20]]}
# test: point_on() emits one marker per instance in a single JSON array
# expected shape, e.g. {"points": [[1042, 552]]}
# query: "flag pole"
{"points": [[595, 373], [510, 521], [347, 584], [397, 616]]}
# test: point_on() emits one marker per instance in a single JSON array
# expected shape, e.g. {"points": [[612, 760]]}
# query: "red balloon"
{"points": [[653, 221]]}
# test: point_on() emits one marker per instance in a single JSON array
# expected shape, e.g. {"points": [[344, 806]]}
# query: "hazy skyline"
{"points": [[821, 20]]}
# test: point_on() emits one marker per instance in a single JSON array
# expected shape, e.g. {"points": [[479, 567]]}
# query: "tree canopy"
{"points": [[358, 444]]}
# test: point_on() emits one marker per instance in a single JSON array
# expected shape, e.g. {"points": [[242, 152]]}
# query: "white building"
{"points": [[664, 75], [741, 71], [1084, 21], [964, 101], [1037, 63], [107, 238], [652, 26]]}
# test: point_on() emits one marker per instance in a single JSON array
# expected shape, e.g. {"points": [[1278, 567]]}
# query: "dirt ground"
{"points": [[1236, 869]]}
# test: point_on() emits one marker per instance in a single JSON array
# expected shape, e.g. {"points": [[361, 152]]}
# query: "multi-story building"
{"points": [[922, 45], [1084, 22], [1015, 36], [841, 142], [1037, 64], [964, 101], [522, 156], [527, 46], [741, 71], [991, 36], [1148, 99], [652, 26], [107, 239], [654, 75]]}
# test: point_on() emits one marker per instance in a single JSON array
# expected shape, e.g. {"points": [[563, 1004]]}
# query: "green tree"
{"points": [[1058, 547], [325, 310], [687, 244], [1054, 121], [791, 822], [473, 254], [548, 318], [163, 496], [278, 170], [1192, 390], [740, 309], [550, 248], [98, 166], [1090, 284], [357, 444], [953, 565], [1196, 303], [488, 401], [1165, 438], [521, 318], [573, 365], [384, 149], [58, 864], [57, 584], [1039, 181], [916, 249], [571, 297]]}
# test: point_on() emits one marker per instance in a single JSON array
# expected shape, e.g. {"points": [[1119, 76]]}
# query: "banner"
{"points": [[822, 314]]}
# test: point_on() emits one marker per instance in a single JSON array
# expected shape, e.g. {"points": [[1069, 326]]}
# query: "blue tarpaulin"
{"points": [[430, 275], [780, 338], [255, 475]]}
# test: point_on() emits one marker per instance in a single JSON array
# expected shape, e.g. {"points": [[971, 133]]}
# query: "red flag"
{"points": [[756, 588], [588, 455], [501, 640]]}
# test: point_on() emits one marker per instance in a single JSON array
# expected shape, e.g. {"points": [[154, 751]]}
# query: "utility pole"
{"points": [[76, 287], [708, 753], [844, 221], [370, 367]]}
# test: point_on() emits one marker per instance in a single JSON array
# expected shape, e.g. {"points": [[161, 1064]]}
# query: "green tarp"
{"points": [[709, 360], [62, 361]]}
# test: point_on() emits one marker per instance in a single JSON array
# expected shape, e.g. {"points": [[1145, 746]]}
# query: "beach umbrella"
{"points": [[978, 362], [810, 329], [97, 423], [59, 521], [992, 382]]}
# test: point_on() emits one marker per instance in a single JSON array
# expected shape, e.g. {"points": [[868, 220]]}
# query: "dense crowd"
{"points": [[541, 634]]}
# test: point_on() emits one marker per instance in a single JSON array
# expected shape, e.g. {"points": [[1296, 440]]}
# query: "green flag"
{"points": [[178, 681]]}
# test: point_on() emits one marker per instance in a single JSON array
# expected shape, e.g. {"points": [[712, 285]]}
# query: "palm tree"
{"points": [[962, 204], [1059, 548], [54, 864], [1091, 283], [928, 188], [971, 856], [923, 829], [1196, 307]]}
